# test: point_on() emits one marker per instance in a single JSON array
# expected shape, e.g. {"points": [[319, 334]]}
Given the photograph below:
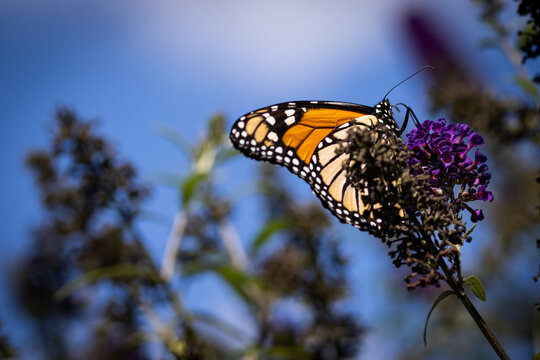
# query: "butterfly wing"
{"points": [[303, 136]]}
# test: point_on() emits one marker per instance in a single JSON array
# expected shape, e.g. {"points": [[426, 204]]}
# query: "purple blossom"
{"points": [[477, 215], [443, 152]]}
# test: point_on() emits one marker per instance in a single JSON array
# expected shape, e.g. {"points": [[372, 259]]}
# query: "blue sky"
{"points": [[136, 65]]}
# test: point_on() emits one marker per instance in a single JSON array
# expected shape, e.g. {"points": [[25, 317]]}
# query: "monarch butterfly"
{"points": [[303, 136]]}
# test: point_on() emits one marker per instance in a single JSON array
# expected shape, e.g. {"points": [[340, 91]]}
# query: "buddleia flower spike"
{"points": [[419, 191]]}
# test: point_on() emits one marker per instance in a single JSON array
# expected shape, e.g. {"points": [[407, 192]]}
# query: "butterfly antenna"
{"points": [[408, 77], [410, 113]]}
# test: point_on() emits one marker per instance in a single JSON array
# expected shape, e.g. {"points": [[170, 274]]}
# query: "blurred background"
{"points": [[120, 188]]}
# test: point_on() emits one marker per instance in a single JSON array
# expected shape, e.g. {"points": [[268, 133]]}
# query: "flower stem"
{"points": [[458, 290], [460, 293]]}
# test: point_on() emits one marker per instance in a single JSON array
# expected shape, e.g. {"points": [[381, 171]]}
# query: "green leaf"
{"points": [[527, 85], [476, 287], [216, 129], [537, 356], [94, 276], [227, 152], [237, 279], [469, 232], [266, 232], [219, 324], [167, 179], [441, 297], [176, 139], [190, 186], [244, 285]]}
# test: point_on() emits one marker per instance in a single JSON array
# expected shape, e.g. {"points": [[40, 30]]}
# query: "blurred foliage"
{"points": [[309, 267], [91, 200], [511, 125], [6, 349], [88, 268], [529, 35], [456, 89]]}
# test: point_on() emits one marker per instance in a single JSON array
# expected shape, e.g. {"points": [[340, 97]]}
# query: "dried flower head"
{"points": [[412, 189]]}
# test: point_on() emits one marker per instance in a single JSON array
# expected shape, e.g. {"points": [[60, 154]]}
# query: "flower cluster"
{"points": [[443, 151], [411, 214]]}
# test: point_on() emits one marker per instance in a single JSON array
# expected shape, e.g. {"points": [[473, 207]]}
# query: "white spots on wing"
{"points": [[324, 173], [290, 120], [271, 120], [272, 136]]}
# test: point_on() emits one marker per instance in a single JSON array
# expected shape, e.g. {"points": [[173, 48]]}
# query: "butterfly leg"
{"points": [[410, 113]]}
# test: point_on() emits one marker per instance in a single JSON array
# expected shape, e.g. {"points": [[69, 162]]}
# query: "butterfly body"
{"points": [[304, 137]]}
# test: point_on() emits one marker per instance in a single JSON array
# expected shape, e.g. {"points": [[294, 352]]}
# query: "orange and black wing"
{"points": [[303, 136]]}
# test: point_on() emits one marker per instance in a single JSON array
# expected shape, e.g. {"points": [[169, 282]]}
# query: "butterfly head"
{"points": [[383, 111]]}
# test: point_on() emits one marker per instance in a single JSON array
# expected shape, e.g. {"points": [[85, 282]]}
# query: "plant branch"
{"points": [[457, 287]]}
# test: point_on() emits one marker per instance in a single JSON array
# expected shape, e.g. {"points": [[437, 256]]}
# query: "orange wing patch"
{"points": [[253, 123], [313, 127], [330, 118]]}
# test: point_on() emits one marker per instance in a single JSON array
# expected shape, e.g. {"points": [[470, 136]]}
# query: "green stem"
{"points": [[458, 290]]}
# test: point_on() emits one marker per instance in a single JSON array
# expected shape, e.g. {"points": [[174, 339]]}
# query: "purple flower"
{"points": [[475, 139], [479, 158], [477, 215], [483, 194], [442, 151]]}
